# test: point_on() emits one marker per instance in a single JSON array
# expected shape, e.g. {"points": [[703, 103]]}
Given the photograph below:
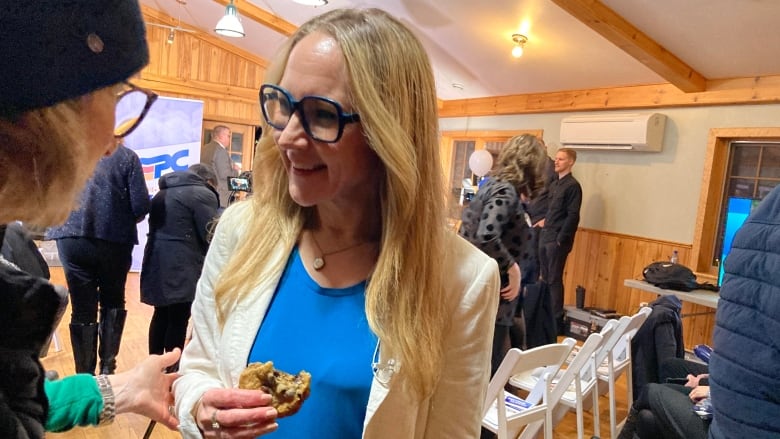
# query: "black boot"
{"points": [[112, 323], [629, 428], [83, 339]]}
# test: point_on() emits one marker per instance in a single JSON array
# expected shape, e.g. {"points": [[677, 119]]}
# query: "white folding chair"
{"points": [[616, 360], [504, 413], [573, 385]]}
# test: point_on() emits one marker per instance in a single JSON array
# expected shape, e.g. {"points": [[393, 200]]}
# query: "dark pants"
{"points": [[552, 258], [168, 328], [666, 411], [96, 272], [500, 347]]}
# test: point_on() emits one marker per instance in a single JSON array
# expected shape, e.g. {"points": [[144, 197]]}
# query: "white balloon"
{"points": [[480, 162]]}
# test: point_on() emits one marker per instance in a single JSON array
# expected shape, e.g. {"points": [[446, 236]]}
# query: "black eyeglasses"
{"points": [[322, 118], [132, 104]]}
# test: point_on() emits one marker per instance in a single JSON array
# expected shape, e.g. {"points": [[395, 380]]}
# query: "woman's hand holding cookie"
{"points": [[235, 414]]}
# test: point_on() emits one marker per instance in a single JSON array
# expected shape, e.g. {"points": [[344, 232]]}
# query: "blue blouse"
{"points": [[323, 331]]}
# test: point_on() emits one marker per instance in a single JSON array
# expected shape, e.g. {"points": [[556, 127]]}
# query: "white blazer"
{"points": [[215, 358]]}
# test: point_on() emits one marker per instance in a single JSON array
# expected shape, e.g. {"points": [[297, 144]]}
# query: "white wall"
{"points": [[653, 195]]}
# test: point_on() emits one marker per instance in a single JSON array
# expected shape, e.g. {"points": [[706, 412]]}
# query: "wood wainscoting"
{"points": [[600, 262]]}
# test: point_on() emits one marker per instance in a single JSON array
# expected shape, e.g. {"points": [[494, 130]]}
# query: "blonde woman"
{"points": [[58, 96], [343, 266], [496, 222]]}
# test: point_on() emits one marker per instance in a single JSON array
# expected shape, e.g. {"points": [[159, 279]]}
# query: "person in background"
{"points": [[744, 374], [496, 222], [95, 246], [342, 264], [667, 411], [558, 228], [528, 323], [179, 225], [658, 340], [57, 103], [217, 155]]}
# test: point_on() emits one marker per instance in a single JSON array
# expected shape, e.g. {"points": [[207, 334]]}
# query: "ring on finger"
{"points": [[214, 424]]}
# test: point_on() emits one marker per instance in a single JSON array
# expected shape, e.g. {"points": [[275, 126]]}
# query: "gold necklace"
{"points": [[319, 261]]}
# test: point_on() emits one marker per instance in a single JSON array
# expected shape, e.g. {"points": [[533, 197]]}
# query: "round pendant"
{"points": [[318, 263]]}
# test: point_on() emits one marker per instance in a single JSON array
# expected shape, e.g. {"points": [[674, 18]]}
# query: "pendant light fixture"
{"points": [[520, 41], [230, 25]]}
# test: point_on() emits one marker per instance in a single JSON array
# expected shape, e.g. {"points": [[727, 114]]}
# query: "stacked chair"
{"points": [[506, 414], [575, 385], [591, 370], [616, 360]]}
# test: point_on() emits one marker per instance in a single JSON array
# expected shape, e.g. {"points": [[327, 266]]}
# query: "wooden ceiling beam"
{"points": [[261, 16], [736, 91], [633, 41]]}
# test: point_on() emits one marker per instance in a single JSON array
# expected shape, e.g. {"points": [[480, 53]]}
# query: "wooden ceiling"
{"points": [[581, 54]]}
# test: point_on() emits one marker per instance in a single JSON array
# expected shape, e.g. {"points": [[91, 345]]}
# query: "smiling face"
{"points": [[345, 172]]}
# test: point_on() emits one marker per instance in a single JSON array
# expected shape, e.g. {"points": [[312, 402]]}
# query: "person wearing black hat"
{"points": [[58, 94]]}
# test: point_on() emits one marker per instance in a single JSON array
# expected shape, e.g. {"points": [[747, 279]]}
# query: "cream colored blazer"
{"points": [[214, 358]]}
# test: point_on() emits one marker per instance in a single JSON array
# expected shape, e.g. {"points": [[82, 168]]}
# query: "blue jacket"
{"points": [[113, 201], [745, 363]]}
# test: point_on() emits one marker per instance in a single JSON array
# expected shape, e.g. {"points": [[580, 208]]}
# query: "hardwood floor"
{"points": [[134, 348]]}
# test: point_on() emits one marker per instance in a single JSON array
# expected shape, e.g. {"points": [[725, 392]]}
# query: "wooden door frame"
{"points": [[248, 145]]}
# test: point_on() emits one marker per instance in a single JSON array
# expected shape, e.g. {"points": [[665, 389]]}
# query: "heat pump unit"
{"points": [[626, 132]]}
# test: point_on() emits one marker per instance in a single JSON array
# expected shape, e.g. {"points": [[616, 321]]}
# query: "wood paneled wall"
{"points": [[601, 261], [202, 66]]}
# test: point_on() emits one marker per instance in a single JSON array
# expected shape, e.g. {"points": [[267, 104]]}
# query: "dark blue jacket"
{"points": [[113, 201], [745, 363]]}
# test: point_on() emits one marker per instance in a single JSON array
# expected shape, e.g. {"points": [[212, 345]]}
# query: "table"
{"points": [[699, 297]]}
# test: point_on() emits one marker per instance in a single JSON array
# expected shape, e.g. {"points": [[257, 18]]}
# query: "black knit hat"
{"points": [[55, 50]]}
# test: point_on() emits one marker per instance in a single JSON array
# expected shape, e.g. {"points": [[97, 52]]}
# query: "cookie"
{"points": [[287, 391]]}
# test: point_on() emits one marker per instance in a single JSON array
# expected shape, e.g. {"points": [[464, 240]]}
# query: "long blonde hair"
{"points": [[43, 163], [392, 88]]}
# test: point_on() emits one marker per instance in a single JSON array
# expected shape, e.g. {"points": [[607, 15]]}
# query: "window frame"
{"points": [[714, 179]]}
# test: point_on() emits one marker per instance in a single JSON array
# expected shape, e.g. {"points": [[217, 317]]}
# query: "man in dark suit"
{"points": [[216, 155], [558, 228]]}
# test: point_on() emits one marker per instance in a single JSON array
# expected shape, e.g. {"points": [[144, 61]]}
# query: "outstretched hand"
{"points": [[146, 389]]}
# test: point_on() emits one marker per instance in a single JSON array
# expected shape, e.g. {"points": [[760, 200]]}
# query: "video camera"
{"points": [[242, 183]]}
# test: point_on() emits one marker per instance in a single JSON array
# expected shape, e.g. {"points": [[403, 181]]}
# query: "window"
{"points": [[456, 149], [753, 171], [742, 164]]}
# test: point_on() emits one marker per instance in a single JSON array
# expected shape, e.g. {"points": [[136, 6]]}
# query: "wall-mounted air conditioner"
{"points": [[627, 132]]}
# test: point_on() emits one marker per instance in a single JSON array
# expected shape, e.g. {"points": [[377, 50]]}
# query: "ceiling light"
{"points": [[171, 36], [519, 41], [312, 2], [229, 25]]}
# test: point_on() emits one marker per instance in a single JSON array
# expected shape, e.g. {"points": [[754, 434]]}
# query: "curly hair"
{"points": [[521, 162]]}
